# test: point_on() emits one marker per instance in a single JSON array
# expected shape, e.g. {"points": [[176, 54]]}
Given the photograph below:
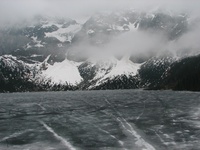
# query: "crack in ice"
{"points": [[140, 142], [63, 141]]}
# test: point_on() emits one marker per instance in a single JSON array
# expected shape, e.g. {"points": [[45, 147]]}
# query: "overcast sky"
{"points": [[15, 9]]}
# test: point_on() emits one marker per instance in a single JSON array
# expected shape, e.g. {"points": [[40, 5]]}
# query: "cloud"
{"points": [[187, 44], [144, 44], [16, 9], [133, 43], [136, 43]]}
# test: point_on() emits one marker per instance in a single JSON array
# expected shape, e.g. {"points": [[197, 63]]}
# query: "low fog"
{"points": [[132, 43], [135, 43], [143, 44]]}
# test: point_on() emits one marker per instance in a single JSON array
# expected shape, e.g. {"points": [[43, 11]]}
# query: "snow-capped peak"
{"points": [[123, 67], [103, 66]]}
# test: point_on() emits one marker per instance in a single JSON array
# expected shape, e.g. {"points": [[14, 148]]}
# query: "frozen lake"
{"points": [[100, 120]]}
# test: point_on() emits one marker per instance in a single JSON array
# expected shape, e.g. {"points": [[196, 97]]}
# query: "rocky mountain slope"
{"points": [[182, 75], [49, 54]]}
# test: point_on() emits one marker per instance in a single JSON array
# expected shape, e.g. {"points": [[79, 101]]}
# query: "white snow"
{"points": [[103, 66], [90, 32], [9, 60], [115, 68], [37, 43], [82, 19], [35, 55], [13, 62], [63, 34], [62, 72], [123, 67], [119, 28], [125, 18], [49, 24], [28, 46], [131, 26], [134, 26]]}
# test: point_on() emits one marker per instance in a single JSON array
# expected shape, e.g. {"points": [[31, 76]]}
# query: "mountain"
{"points": [[18, 76], [122, 76], [101, 27], [94, 69], [172, 25], [61, 72], [182, 75], [38, 39], [49, 53], [15, 75], [151, 72]]}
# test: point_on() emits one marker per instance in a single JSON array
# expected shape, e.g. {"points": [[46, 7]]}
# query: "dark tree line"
{"points": [[183, 75]]}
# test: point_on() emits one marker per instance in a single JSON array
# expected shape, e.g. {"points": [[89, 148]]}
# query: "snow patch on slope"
{"points": [[123, 67], [37, 43], [64, 34], [103, 65], [134, 26], [63, 72]]}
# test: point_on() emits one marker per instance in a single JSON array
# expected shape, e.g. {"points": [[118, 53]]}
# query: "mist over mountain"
{"points": [[69, 45], [99, 75]]}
